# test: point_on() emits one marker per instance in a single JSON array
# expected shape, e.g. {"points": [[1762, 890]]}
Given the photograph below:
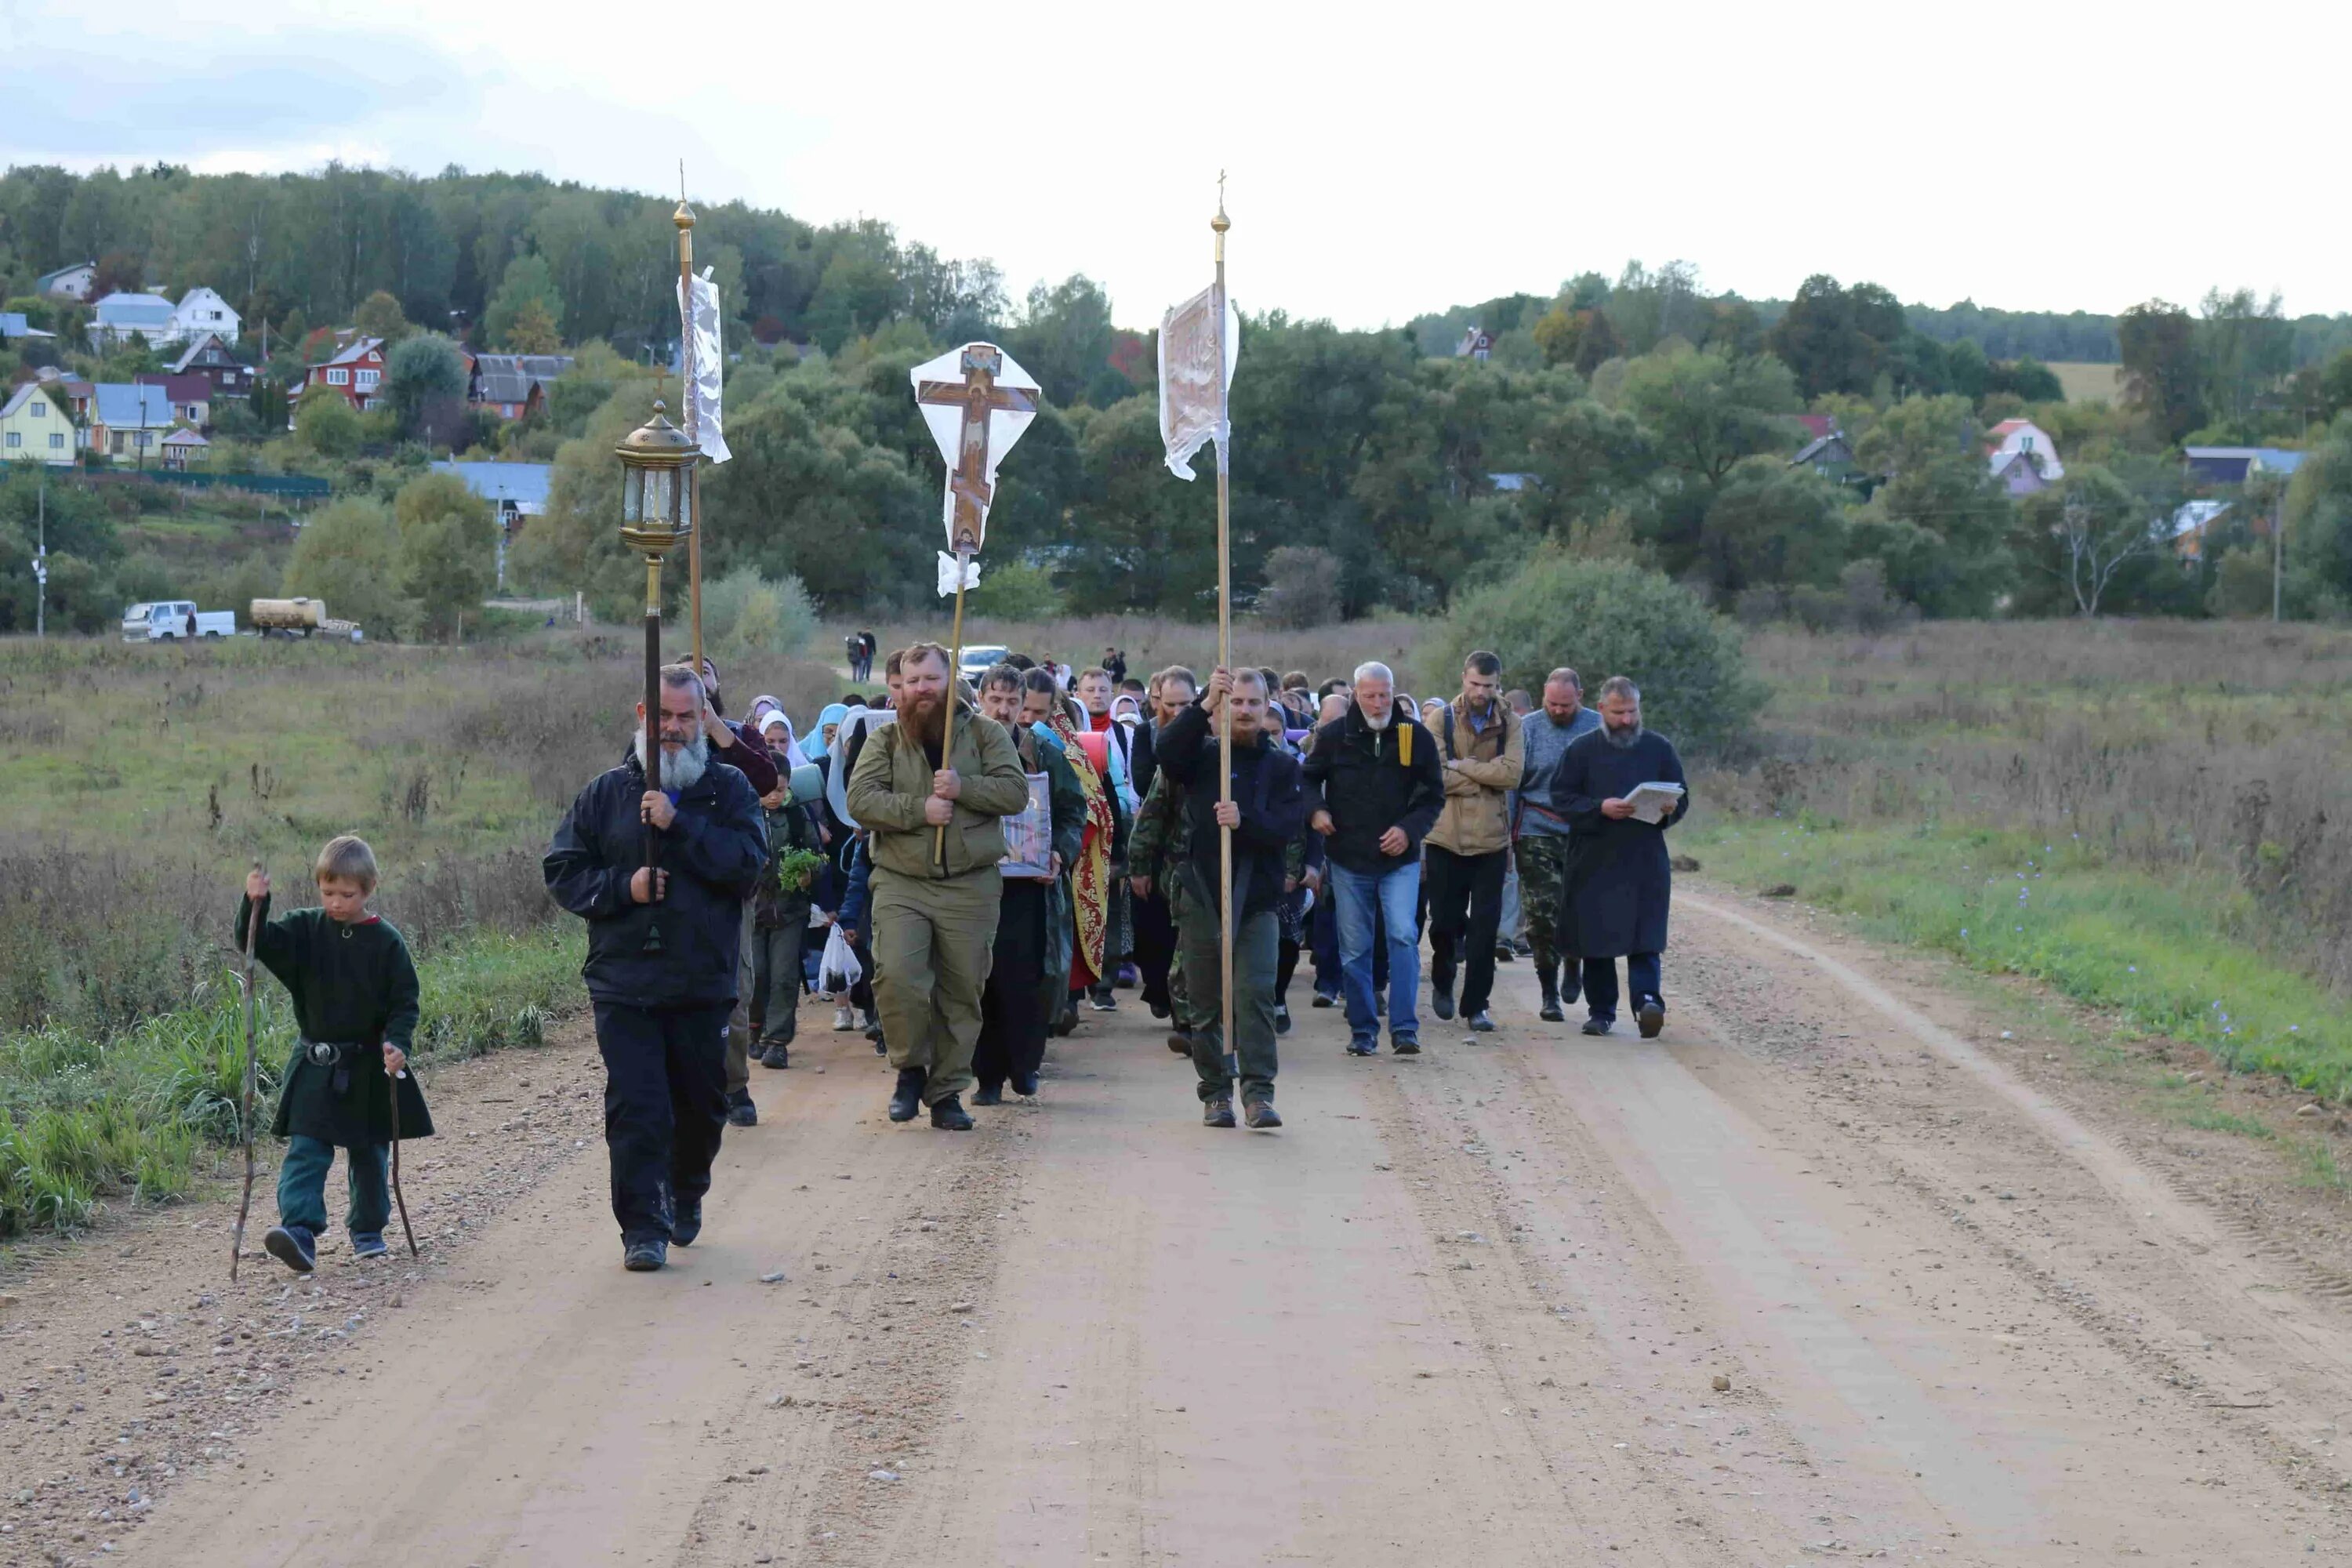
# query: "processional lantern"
{"points": [[657, 461]]}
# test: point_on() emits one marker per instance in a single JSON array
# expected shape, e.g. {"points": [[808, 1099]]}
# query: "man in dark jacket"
{"points": [[741, 747], [1618, 882], [661, 1007], [1374, 789], [1265, 813]]}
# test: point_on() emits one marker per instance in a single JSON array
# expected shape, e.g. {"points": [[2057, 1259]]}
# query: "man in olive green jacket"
{"points": [[1485, 751], [935, 903]]}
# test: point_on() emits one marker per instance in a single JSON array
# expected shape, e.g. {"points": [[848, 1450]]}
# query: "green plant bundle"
{"points": [[797, 869]]}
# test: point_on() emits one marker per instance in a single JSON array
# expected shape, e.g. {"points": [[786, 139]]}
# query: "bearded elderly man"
{"points": [[662, 1008], [1619, 880], [933, 912]]}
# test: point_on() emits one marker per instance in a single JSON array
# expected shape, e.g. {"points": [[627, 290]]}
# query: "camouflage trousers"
{"points": [[1543, 865], [1179, 995]]}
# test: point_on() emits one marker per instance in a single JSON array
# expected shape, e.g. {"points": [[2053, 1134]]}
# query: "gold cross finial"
{"points": [[1221, 222]]}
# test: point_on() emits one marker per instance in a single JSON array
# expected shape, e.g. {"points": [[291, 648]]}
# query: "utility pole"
{"points": [[41, 558], [2278, 552]]}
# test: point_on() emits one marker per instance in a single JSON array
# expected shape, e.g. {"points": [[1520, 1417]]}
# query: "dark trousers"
{"points": [[1155, 948], [775, 1009], [1013, 1007], [302, 1186], [1457, 883], [664, 1107], [1641, 978], [1254, 946], [1286, 964]]}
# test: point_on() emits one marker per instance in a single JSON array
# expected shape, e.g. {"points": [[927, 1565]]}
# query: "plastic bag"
{"points": [[840, 971]]}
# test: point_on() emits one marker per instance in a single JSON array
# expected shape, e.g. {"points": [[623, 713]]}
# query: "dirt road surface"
{"points": [[1465, 1308]]}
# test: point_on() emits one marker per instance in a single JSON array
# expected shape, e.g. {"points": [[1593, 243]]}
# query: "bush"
{"points": [[328, 423], [1016, 591], [1612, 617], [744, 613], [1302, 588], [349, 555]]}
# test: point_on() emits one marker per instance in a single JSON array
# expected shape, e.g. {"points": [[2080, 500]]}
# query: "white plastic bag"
{"points": [[840, 970]]}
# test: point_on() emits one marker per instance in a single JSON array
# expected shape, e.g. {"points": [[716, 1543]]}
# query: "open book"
{"points": [[1653, 803]]}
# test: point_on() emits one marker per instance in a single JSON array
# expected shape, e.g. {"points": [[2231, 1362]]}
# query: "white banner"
{"points": [[1196, 340], [710, 366], [948, 574]]}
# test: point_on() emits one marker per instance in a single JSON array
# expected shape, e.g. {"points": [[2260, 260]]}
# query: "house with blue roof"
{"points": [[2236, 465], [518, 490], [128, 424]]}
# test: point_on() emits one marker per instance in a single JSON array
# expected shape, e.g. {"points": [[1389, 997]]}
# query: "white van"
{"points": [[170, 620]]}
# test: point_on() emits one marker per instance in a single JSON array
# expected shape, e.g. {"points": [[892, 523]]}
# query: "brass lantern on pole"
{"points": [[656, 458]]}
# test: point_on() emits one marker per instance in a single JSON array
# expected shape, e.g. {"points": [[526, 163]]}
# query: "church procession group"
{"points": [[964, 865]]}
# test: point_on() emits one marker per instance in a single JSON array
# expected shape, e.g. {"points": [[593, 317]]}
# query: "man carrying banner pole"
{"points": [[1196, 365]]}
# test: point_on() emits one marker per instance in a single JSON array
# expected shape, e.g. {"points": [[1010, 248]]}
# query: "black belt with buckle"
{"points": [[337, 1055]]}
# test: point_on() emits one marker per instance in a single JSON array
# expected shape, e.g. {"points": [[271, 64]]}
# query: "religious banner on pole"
{"points": [[1198, 339], [704, 366], [977, 402]]}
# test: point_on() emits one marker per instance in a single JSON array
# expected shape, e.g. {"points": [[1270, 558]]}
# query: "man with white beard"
{"points": [[662, 1005]]}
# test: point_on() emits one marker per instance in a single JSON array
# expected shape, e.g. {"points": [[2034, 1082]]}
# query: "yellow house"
{"points": [[35, 428]]}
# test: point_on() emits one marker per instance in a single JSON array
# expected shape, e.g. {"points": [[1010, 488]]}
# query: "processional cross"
{"points": [[979, 395]]}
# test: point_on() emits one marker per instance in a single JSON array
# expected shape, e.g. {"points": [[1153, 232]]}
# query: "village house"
{"points": [[2020, 473], [14, 325], [513, 387], [356, 372], [162, 324], [73, 284], [517, 489], [191, 396], [2236, 465], [184, 449], [2012, 438], [35, 428], [209, 357], [127, 423]]}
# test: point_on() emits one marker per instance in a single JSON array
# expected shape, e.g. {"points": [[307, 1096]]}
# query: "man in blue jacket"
{"points": [[661, 1015]]}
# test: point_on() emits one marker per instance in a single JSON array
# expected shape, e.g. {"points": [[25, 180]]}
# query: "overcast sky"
{"points": [[1384, 160]]}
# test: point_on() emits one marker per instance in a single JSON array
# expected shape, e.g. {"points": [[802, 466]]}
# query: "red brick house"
{"points": [[356, 372]]}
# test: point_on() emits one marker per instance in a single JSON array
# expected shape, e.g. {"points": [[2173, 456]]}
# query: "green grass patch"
{"points": [[2165, 955], [85, 1117]]}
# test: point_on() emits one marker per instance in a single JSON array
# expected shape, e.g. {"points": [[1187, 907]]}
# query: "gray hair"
{"points": [[1373, 669], [683, 678], [1620, 685]]}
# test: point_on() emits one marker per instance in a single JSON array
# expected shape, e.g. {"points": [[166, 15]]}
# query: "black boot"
{"points": [[988, 1094], [1441, 995], [949, 1115], [1548, 978], [908, 1098]]}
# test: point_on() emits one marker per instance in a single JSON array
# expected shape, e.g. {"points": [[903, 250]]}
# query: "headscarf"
{"points": [[834, 713], [788, 753], [855, 723]]}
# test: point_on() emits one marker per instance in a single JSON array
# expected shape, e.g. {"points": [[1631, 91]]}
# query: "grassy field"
{"points": [[2148, 817], [2090, 382], [142, 780]]}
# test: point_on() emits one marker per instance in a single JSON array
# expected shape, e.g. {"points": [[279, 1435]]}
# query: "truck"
{"points": [[297, 617], [171, 620]]}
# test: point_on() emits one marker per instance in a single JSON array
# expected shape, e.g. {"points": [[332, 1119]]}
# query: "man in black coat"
{"points": [[1617, 880], [662, 1010], [1266, 813], [1373, 790]]}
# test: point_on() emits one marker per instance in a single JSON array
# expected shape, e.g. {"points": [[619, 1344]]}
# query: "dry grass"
{"points": [[2090, 382]]}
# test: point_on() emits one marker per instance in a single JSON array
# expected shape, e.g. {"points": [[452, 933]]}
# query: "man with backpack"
{"points": [[1482, 747]]}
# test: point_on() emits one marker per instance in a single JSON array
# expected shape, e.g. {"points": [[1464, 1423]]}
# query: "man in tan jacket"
{"points": [[934, 907], [1481, 747]]}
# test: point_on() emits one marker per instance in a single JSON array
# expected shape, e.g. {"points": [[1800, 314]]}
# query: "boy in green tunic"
{"points": [[354, 994]]}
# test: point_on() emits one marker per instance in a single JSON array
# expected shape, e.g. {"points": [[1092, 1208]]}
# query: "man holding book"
{"points": [[1620, 787]]}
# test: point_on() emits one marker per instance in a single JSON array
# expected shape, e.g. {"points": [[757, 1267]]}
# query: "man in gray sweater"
{"points": [[1539, 829]]}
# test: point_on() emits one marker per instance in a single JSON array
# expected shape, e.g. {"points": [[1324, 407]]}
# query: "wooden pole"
{"points": [[244, 1203], [649, 747], [684, 219], [955, 673], [1224, 647]]}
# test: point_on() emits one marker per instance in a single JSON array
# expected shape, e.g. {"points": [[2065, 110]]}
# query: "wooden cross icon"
{"points": [[979, 395]]}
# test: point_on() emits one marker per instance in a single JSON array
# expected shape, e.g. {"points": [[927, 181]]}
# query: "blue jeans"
{"points": [[1392, 895], [302, 1186]]}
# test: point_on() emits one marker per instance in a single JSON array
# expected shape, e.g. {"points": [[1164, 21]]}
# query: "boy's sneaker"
{"points": [[843, 1020], [293, 1246], [368, 1244], [1259, 1111], [688, 1223], [1217, 1112], [645, 1255], [1650, 1016]]}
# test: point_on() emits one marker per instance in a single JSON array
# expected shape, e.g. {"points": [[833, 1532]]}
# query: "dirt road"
{"points": [[1465, 1309]]}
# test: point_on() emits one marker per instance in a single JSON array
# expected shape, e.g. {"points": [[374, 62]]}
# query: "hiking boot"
{"points": [[368, 1244], [1441, 1001], [843, 1020], [293, 1246], [988, 1094], [1282, 1018], [1650, 1017], [1598, 1025], [645, 1254], [688, 1225], [1024, 1084], [1217, 1112], [1180, 1042], [1548, 978], [949, 1116], [740, 1111], [1482, 1022], [908, 1098], [776, 1055], [1259, 1112], [1410, 1046]]}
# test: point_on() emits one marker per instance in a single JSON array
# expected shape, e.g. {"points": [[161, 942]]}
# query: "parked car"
{"points": [[979, 659], [170, 620]]}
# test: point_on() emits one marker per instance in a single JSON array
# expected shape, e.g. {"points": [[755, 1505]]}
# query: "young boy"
{"points": [[354, 993], [780, 921]]}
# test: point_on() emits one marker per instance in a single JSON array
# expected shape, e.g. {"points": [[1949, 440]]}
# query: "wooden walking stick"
{"points": [[392, 1089], [244, 1203]]}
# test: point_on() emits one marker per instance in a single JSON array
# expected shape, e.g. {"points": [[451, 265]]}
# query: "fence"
{"points": [[284, 486]]}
